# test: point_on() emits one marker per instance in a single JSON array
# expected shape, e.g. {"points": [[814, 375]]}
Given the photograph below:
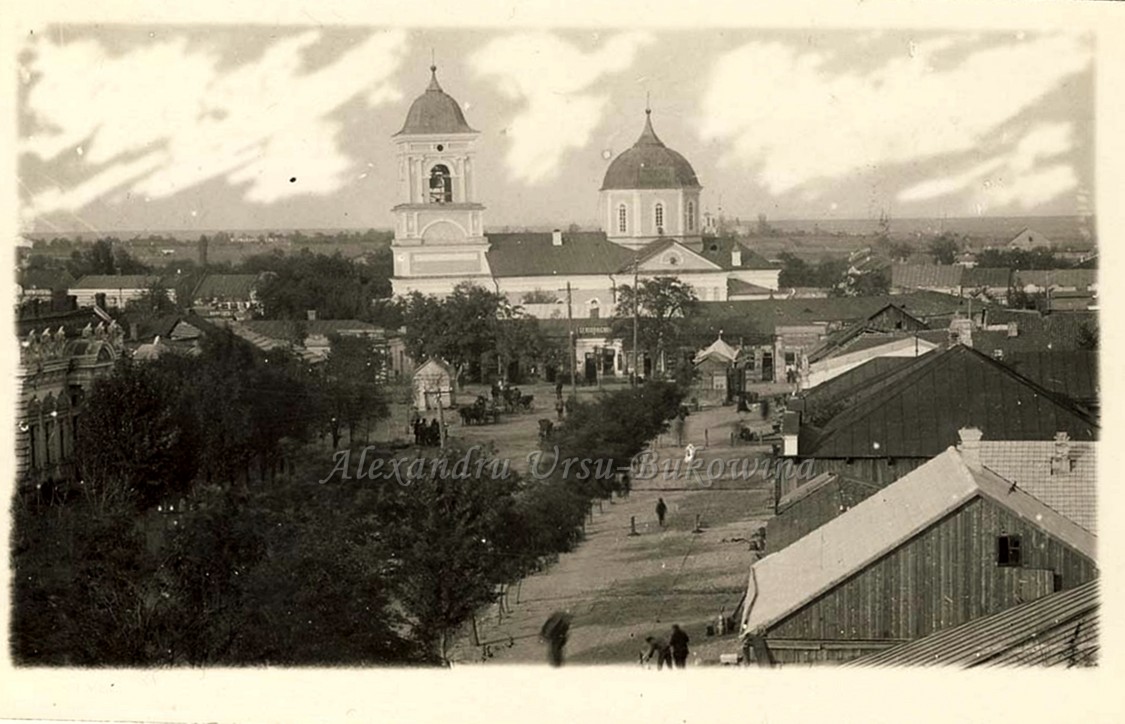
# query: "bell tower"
{"points": [[439, 225]]}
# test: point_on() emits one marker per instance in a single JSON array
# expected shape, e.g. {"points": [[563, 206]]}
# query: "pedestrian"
{"points": [[435, 432], [417, 426], [554, 632], [678, 642], [559, 389], [661, 510], [659, 649], [559, 408]]}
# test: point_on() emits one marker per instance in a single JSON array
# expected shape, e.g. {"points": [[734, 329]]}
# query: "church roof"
{"points": [[435, 111], [534, 254], [649, 164]]}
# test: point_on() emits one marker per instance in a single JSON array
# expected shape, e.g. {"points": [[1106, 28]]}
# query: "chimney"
{"points": [[1061, 461], [556, 237], [311, 315], [970, 445], [736, 256], [1013, 329], [961, 332]]}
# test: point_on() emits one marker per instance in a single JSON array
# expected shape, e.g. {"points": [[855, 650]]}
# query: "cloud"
{"points": [[552, 78], [162, 118], [1011, 178], [801, 116]]}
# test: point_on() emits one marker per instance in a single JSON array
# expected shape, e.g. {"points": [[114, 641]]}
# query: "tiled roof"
{"points": [[764, 315], [784, 582], [226, 286], [1044, 278], [919, 413], [1027, 463], [534, 254], [116, 281], [926, 276], [994, 277], [1060, 629]]}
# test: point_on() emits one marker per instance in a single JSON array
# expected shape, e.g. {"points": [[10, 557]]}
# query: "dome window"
{"points": [[659, 218], [690, 216], [440, 148], [622, 219], [441, 185]]}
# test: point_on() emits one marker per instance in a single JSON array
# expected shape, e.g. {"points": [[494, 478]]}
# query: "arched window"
{"points": [[622, 219], [659, 216], [441, 185], [690, 216], [595, 309]]}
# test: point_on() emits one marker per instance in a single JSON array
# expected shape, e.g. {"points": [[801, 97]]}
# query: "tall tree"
{"points": [[944, 248], [664, 310]]}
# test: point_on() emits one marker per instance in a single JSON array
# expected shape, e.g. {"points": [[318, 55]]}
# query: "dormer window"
{"points": [[441, 185]]}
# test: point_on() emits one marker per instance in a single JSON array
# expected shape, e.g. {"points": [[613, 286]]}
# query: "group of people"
{"points": [[673, 652], [426, 434]]}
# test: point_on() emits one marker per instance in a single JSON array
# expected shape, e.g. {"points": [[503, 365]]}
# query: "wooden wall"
{"points": [[808, 514], [879, 471], [943, 577]]}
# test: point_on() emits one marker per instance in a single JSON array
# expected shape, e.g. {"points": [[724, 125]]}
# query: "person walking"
{"points": [[555, 631], [678, 642], [661, 510], [661, 650]]}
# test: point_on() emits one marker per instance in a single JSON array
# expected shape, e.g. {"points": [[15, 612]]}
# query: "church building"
{"points": [[652, 226]]}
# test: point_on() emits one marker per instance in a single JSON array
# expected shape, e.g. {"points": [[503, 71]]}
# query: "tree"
{"points": [[944, 248], [138, 438], [539, 296], [664, 309], [1088, 336], [154, 300], [446, 535], [350, 388]]}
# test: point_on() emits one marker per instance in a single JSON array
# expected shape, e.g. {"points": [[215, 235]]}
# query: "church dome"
{"points": [[649, 164], [435, 111]]}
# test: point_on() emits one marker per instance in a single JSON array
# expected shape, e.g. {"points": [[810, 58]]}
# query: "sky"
{"points": [[177, 128]]}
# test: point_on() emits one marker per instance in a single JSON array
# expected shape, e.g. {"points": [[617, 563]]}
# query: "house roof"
{"points": [[281, 329], [918, 413], [985, 276], [1060, 629], [784, 582], [765, 315], [863, 334], [1027, 463], [718, 350], [1070, 373], [1045, 278], [226, 286], [859, 379], [116, 281], [534, 254], [923, 276], [1035, 332]]}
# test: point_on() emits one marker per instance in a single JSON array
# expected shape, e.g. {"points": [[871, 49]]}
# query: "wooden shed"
{"points": [[433, 383], [949, 543]]}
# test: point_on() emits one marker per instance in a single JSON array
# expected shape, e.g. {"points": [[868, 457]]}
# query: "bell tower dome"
{"points": [[439, 225]]}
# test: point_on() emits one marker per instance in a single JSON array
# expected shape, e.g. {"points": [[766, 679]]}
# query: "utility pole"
{"points": [[573, 345], [636, 302]]}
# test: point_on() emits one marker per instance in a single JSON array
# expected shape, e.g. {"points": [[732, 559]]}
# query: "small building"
{"points": [[116, 289], [713, 368], [942, 278], [433, 383], [1034, 281], [889, 332], [987, 283], [1057, 630], [949, 543], [1029, 239]]}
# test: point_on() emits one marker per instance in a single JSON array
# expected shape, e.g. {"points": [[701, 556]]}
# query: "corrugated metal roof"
{"points": [[982, 276], [1070, 373], [1057, 630], [784, 582], [226, 286], [919, 414], [116, 281]]}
